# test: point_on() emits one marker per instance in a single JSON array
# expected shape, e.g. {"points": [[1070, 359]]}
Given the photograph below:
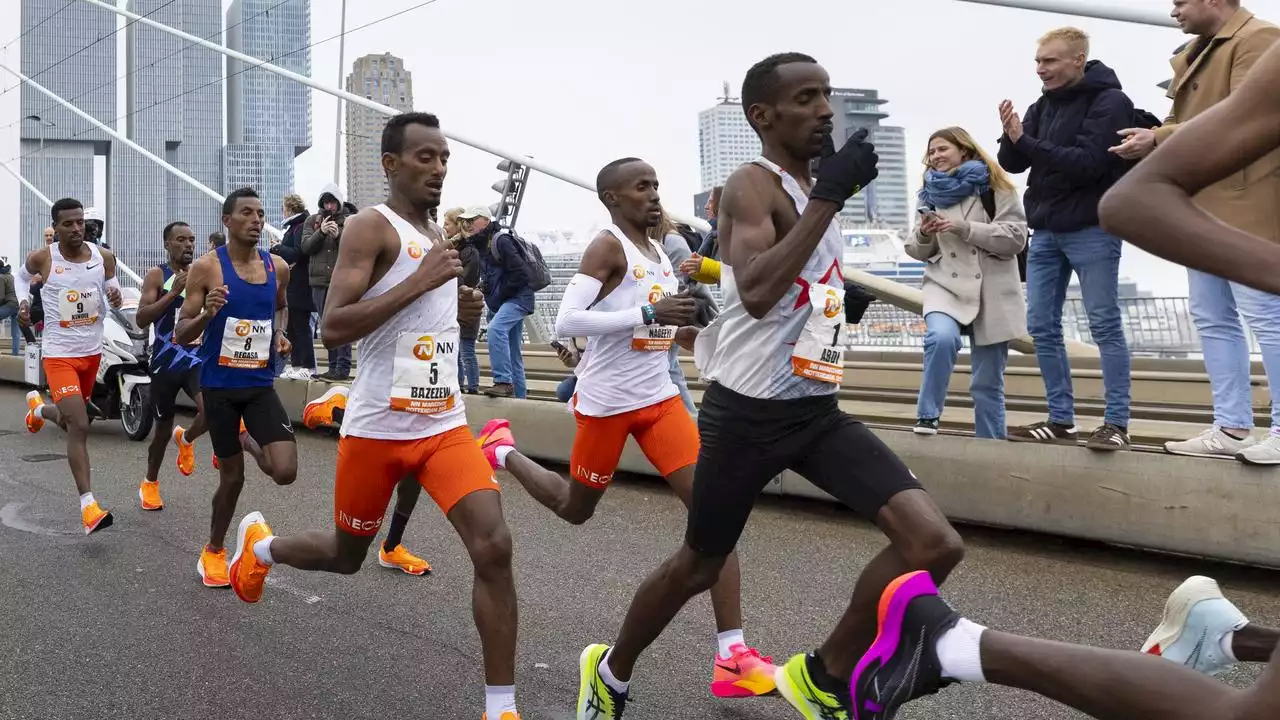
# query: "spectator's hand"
{"points": [[215, 299], [678, 310], [846, 173], [936, 224], [179, 282], [24, 314], [439, 266], [37, 279], [283, 346], [1010, 120], [470, 304], [568, 357], [1137, 144], [691, 265], [686, 336], [114, 298], [329, 227]]}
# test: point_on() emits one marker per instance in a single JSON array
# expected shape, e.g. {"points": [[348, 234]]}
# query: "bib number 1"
{"points": [[819, 352], [425, 375]]}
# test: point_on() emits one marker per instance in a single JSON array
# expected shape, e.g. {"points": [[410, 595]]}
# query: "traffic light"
{"points": [[511, 190]]}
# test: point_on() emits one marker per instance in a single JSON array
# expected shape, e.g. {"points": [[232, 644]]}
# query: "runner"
{"points": [[773, 358], [77, 276], [923, 644], [173, 367], [405, 415], [625, 388], [235, 307]]}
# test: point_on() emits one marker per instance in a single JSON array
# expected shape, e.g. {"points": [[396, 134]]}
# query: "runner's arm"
{"points": [[602, 265], [32, 266], [115, 298], [152, 304], [193, 319], [764, 265], [1151, 206]]}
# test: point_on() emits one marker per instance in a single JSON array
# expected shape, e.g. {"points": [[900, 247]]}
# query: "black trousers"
{"points": [[303, 354]]}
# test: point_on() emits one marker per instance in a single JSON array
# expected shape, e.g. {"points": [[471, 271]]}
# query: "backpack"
{"points": [[989, 204], [534, 266], [691, 236]]}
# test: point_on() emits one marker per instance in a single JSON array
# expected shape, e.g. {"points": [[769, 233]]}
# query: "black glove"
{"points": [[844, 174], [856, 301]]}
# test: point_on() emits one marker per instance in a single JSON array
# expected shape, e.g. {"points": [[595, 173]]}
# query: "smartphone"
{"points": [[557, 346], [923, 211]]}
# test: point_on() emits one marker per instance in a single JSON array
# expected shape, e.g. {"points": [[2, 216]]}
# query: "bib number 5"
{"points": [[425, 373]]}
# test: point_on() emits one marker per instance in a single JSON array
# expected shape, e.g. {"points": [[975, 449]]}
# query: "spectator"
{"points": [[302, 358], [321, 235], [36, 311], [711, 244], [216, 240], [9, 302], [971, 229], [572, 358], [677, 249], [1064, 141], [1229, 40], [94, 227], [468, 328], [507, 292]]}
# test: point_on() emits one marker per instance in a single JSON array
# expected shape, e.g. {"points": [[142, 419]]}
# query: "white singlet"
{"points": [[796, 349], [407, 387], [75, 298], [624, 371]]}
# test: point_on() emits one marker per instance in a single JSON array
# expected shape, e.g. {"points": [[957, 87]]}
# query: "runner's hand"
{"points": [[24, 314], [215, 299], [114, 298], [675, 309], [179, 282], [439, 266], [846, 173], [686, 337], [283, 346], [470, 304]]}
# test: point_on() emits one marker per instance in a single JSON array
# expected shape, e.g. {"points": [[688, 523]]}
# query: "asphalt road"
{"points": [[117, 625]]}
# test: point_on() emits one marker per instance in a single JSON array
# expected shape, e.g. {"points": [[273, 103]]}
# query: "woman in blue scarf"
{"points": [[972, 227]]}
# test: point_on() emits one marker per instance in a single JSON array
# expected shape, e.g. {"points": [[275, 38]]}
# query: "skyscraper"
{"points": [[174, 101], [725, 140], [381, 78], [268, 117]]}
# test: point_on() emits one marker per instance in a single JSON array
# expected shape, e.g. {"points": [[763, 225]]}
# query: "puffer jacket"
{"points": [[319, 247]]}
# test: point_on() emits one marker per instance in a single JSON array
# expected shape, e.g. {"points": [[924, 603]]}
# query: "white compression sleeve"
{"points": [[575, 320], [113, 283], [22, 284]]}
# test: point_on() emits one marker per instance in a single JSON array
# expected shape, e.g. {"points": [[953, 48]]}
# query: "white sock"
{"points": [[262, 550], [151, 482], [1226, 647], [502, 453], [727, 640], [499, 699], [607, 675], [86, 500], [959, 652], [38, 412]]}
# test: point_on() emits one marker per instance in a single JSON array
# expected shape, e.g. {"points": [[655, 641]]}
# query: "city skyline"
{"points": [[382, 78]]}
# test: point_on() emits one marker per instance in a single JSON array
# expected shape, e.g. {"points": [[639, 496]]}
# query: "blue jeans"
{"points": [[468, 365], [677, 377], [506, 330], [11, 314], [942, 343], [1216, 307], [339, 357], [1095, 257], [565, 389]]}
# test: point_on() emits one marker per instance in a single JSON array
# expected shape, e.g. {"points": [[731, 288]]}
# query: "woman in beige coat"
{"points": [[972, 227]]}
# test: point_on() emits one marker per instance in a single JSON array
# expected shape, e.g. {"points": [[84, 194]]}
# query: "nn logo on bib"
{"points": [[73, 296], [245, 327], [832, 306], [426, 348]]}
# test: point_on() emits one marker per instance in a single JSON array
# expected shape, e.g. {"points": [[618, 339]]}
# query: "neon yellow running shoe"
{"points": [[798, 688], [596, 700]]}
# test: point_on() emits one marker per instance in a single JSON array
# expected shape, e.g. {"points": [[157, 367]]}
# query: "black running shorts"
{"points": [[746, 442], [165, 386], [260, 408]]}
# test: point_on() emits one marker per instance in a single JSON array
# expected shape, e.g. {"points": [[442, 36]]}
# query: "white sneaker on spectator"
{"points": [[1266, 452], [1212, 443]]}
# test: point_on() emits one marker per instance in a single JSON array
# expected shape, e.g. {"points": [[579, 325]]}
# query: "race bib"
{"points": [[819, 351], [77, 308], [246, 344], [654, 338], [425, 375]]}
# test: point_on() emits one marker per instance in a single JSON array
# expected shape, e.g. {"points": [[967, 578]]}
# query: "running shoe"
{"points": [[149, 495], [926, 426], [212, 567], [745, 674], [799, 689], [902, 664], [95, 518], [505, 716], [1264, 452], [596, 700], [401, 559], [243, 431], [34, 401], [495, 434], [321, 410], [186, 451], [1196, 620], [247, 574]]}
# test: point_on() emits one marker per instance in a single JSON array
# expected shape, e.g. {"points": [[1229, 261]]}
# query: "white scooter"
{"points": [[123, 389]]}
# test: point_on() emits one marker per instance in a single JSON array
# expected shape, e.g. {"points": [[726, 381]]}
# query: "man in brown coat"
{"points": [[1229, 40]]}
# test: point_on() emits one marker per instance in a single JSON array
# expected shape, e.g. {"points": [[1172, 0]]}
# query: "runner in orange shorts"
{"points": [[625, 389], [395, 289]]}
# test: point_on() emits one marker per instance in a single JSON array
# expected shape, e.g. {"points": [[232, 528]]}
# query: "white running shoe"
{"points": [[1266, 452], [1212, 443], [1196, 620]]}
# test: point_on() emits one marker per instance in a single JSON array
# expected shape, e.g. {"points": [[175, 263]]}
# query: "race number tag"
{"points": [[819, 352], [246, 344], [654, 338], [77, 308], [425, 376]]}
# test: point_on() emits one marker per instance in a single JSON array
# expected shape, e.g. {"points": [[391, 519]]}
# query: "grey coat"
{"points": [[972, 271]]}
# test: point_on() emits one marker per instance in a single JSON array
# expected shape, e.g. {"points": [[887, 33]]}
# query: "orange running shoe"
{"points": [[495, 434], [149, 494], [505, 716], [401, 559], [95, 518], [246, 573], [212, 567], [34, 400], [744, 674], [186, 451], [320, 411]]}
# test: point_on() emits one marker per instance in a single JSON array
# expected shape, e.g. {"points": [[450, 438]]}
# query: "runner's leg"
{"points": [[407, 492], [597, 446], [72, 415], [1254, 643], [164, 392], [268, 423]]}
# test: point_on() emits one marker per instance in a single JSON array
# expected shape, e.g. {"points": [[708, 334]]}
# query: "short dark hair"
{"points": [[760, 86], [217, 238], [229, 205], [393, 133], [169, 228], [607, 178], [64, 204]]}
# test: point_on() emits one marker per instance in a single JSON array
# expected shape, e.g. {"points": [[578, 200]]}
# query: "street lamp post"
{"points": [[40, 163]]}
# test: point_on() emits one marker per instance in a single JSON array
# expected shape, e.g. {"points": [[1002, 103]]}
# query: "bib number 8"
{"points": [[248, 344]]}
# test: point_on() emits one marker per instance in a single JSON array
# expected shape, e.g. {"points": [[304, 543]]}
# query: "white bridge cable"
{"points": [[364, 102], [1118, 11]]}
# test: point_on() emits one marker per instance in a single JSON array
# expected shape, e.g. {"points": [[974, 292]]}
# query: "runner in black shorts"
{"points": [[235, 306], [774, 358], [173, 367]]}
